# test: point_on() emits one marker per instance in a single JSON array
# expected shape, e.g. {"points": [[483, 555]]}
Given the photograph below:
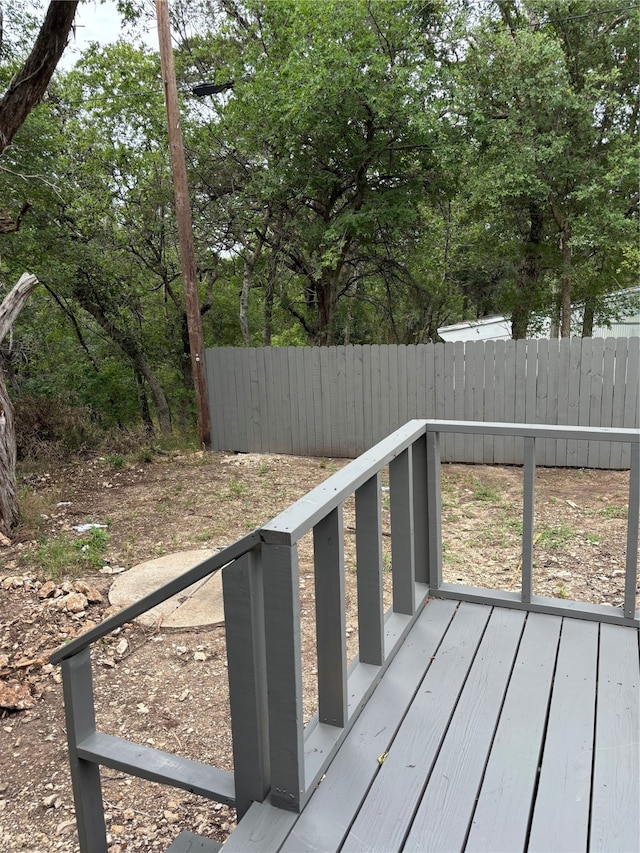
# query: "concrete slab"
{"points": [[198, 605]]}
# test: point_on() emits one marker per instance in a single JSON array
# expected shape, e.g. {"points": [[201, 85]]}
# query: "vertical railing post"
{"points": [[328, 550], [420, 510], [77, 686], [246, 662], [631, 567], [369, 571], [402, 533], [527, 517], [434, 510], [284, 678]]}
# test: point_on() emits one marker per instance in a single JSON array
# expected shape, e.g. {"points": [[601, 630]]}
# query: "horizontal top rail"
{"points": [[560, 431], [128, 614], [301, 516]]}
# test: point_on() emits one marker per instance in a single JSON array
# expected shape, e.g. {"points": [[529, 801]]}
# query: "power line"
{"points": [[577, 17]]}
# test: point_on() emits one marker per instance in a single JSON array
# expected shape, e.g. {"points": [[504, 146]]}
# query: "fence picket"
{"points": [[339, 401]]}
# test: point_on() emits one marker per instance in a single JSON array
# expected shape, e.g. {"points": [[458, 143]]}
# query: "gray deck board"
{"points": [[501, 818], [615, 801], [444, 813], [385, 817], [561, 813], [501, 730], [356, 765]]}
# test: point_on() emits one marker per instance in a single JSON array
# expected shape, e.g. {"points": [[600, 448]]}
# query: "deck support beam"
{"points": [[284, 676], [247, 667], [369, 571], [77, 686]]}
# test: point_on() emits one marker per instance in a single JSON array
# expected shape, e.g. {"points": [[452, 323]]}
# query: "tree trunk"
{"points": [[30, 83], [247, 275], [9, 511], [528, 275], [131, 349], [587, 320], [565, 314]]}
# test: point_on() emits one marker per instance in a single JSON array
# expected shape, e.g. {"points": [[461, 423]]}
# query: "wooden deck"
{"points": [[471, 719], [493, 729]]}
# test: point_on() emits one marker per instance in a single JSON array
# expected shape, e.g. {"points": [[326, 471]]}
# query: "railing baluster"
{"points": [[434, 510], [369, 571], [246, 661], [402, 539], [420, 511], [77, 685], [282, 637], [527, 516], [328, 548], [631, 572]]}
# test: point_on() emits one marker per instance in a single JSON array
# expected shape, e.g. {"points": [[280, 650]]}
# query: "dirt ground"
{"points": [[169, 688]]}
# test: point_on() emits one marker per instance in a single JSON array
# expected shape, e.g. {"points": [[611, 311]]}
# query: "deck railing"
{"points": [[272, 749]]}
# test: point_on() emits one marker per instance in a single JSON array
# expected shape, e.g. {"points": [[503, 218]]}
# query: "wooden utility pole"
{"points": [[183, 214]]}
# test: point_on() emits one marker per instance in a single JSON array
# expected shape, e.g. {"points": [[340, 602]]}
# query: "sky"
{"points": [[96, 22]]}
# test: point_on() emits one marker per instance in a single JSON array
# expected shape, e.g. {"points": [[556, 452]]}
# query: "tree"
{"points": [[328, 131], [552, 118], [24, 92]]}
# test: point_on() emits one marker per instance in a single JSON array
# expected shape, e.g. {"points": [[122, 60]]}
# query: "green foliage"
{"points": [[67, 555]]}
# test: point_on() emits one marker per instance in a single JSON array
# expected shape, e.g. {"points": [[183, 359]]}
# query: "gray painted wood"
{"points": [[262, 830], [247, 672], [77, 685], [595, 402], [328, 547], [447, 448], [355, 767], [499, 391], [573, 401], [369, 571], [158, 766], [584, 402], [509, 397], [386, 815], [564, 378], [633, 524], [284, 678], [632, 393], [561, 810], [442, 819], [420, 510], [606, 411], [434, 510], [429, 354], [301, 516], [527, 517], [615, 804], [338, 401], [188, 842], [457, 397], [501, 818], [403, 566], [488, 389], [541, 396], [478, 401]]}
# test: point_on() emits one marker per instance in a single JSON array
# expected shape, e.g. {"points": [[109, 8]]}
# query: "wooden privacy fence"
{"points": [[340, 401]]}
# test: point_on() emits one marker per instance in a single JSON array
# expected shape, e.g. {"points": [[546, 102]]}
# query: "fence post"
{"points": [[527, 517], [369, 571], [284, 677], [434, 510], [77, 687], [403, 567], [420, 509], [631, 568], [246, 661], [328, 549]]}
